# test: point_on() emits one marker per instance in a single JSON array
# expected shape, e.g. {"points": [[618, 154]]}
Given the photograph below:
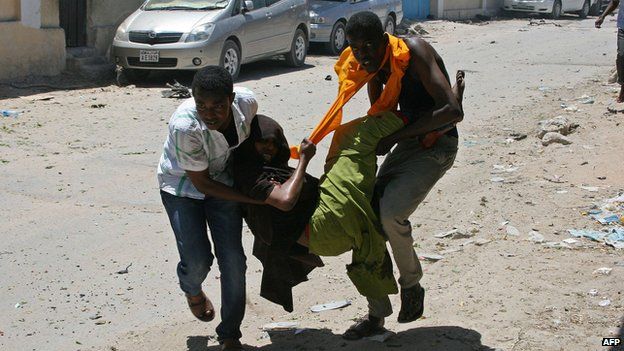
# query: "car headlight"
{"points": [[122, 33], [315, 18], [200, 33]]}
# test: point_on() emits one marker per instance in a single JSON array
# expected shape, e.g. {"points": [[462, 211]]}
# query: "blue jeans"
{"points": [[188, 218]]}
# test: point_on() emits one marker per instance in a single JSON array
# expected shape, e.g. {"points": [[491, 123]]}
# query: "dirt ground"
{"points": [[80, 203]]}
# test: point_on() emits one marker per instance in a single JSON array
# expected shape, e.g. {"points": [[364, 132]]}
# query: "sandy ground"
{"points": [[80, 203]]}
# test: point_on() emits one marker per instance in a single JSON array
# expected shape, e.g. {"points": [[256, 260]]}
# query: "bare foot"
{"points": [[460, 85]]}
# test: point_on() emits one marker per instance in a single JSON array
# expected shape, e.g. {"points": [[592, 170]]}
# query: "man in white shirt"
{"points": [[195, 180]]}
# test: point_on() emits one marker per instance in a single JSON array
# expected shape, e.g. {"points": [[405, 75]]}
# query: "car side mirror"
{"points": [[247, 6]]}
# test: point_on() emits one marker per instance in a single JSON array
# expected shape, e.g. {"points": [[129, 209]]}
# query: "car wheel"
{"points": [[585, 10], [298, 49], [556, 10], [136, 75], [231, 58], [338, 39], [596, 9], [390, 25]]}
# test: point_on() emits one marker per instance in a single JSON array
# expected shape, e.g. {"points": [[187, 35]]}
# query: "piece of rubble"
{"points": [[559, 124], [603, 271], [554, 137]]}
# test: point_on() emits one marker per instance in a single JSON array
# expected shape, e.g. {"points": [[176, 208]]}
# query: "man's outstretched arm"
{"points": [[613, 4], [202, 182]]}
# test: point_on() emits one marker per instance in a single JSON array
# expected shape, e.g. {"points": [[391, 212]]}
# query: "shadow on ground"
{"points": [[442, 338]]}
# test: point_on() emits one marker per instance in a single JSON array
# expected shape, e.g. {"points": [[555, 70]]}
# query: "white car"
{"points": [[555, 7], [328, 19]]}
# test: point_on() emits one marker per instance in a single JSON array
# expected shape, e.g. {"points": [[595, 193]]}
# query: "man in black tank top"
{"points": [[425, 150]]}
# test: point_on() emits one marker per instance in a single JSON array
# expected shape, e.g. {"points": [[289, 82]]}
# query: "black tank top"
{"points": [[414, 98]]}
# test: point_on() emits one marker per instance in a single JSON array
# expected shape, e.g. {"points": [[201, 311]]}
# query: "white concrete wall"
{"points": [[464, 9], [37, 44], [103, 18]]}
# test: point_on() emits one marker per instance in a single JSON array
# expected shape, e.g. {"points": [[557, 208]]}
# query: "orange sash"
{"points": [[352, 78]]}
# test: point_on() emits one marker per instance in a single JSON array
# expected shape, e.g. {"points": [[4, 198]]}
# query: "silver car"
{"points": [[555, 8], [191, 34], [329, 17]]}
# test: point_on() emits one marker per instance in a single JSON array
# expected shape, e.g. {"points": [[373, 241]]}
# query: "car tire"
{"points": [[390, 26], [556, 10], [338, 39], [136, 75], [585, 10], [231, 58], [298, 49], [596, 8]]}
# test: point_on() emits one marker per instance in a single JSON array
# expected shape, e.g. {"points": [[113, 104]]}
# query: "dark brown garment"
{"points": [[286, 263]]}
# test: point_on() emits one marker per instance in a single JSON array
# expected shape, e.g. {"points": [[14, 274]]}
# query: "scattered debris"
{"points": [[124, 271], [616, 108], [481, 241], [328, 77], [280, 326], [517, 136], [553, 137], [95, 316], [450, 251], [604, 303], [381, 337], [176, 91], [497, 179], [556, 245], [605, 217], [593, 292], [98, 106], [504, 169], [454, 234], [536, 237], [558, 124], [571, 108], [40, 97], [542, 22], [603, 271], [613, 237], [570, 241], [334, 305], [431, 257], [556, 179], [544, 89], [511, 230], [9, 113], [586, 100], [592, 189]]}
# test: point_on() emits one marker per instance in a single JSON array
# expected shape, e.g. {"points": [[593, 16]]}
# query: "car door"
{"points": [[359, 5], [571, 5], [380, 8], [257, 31], [282, 28]]}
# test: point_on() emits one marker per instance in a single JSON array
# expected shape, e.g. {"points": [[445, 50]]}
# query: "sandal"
{"points": [[366, 327], [202, 309]]}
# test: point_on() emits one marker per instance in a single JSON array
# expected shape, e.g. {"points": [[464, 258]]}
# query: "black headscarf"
{"points": [[251, 171]]}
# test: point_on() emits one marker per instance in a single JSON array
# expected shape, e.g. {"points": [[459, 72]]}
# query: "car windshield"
{"points": [[186, 5]]}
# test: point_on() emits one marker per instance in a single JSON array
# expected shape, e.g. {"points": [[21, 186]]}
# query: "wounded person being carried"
{"points": [[308, 217]]}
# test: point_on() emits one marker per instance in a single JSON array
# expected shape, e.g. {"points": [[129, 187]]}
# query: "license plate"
{"points": [[149, 56]]}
